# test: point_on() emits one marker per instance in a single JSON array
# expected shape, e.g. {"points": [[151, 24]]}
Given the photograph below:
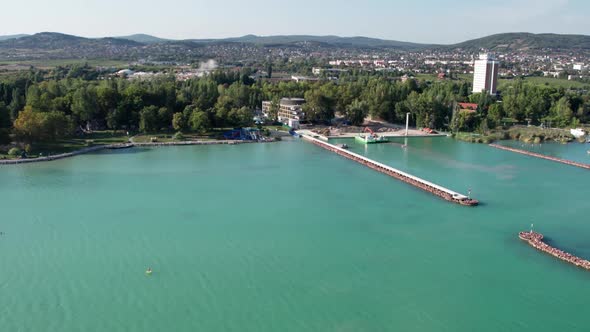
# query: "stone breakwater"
{"points": [[432, 188], [535, 240], [538, 155], [116, 146]]}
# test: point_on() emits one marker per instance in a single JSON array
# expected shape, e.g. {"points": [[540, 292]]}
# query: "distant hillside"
{"points": [[329, 40], [57, 45], [525, 41], [143, 38], [11, 36], [53, 40], [51, 45]]}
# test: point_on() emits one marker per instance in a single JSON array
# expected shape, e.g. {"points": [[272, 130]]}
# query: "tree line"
{"points": [[48, 105]]}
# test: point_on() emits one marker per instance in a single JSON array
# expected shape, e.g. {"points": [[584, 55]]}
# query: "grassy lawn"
{"points": [[73, 144], [549, 81], [110, 137], [503, 83], [212, 134], [169, 137]]}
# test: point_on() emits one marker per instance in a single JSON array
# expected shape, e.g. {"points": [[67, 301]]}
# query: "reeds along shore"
{"points": [[538, 155], [422, 185], [536, 241]]}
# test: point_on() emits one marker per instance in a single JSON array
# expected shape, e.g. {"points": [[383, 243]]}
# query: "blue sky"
{"points": [[428, 21]]}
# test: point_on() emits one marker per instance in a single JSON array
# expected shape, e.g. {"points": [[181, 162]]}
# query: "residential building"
{"points": [[289, 109], [485, 74]]}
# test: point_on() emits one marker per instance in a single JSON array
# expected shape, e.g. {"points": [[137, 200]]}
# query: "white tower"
{"points": [[485, 74]]}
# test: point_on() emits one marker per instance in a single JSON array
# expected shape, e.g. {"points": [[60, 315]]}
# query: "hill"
{"points": [[330, 40], [345, 42], [51, 45], [522, 41], [12, 36], [144, 39]]}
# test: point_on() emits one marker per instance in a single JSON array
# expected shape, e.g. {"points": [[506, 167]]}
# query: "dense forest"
{"points": [[47, 105]]}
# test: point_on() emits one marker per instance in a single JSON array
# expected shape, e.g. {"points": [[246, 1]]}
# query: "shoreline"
{"points": [[121, 146]]}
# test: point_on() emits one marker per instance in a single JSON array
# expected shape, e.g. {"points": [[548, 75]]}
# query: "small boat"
{"points": [[343, 146], [148, 272]]}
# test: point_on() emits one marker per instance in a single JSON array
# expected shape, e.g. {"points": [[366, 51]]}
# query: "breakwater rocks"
{"points": [[535, 240], [119, 146], [538, 155], [432, 188]]}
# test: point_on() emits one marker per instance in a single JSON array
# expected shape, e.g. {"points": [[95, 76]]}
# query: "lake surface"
{"points": [[290, 237], [578, 152]]}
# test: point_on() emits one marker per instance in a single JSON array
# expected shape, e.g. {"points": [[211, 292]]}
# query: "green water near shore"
{"points": [[290, 237]]}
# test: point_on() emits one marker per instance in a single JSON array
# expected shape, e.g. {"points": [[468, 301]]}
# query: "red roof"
{"points": [[469, 106]]}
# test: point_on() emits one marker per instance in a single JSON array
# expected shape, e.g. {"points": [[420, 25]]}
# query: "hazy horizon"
{"points": [[425, 22]]}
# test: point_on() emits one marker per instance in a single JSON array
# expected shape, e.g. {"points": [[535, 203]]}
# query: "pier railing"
{"points": [[430, 187]]}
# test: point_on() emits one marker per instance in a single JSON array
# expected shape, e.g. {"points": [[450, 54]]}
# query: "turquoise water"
{"points": [[289, 237], [578, 152]]}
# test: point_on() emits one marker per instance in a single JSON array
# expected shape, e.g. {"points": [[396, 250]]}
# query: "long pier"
{"points": [[430, 187], [535, 240], [542, 156]]}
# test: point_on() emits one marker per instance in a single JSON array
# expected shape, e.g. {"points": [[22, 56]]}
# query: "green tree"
{"points": [[495, 115], [318, 106], [199, 122], [563, 112], [357, 112], [57, 125], [29, 125], [4, 116], [84, 105], [149, 119], [179, 122]]}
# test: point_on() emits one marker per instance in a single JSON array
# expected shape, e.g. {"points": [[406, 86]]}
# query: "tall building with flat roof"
{"points": [[485, 74], [289, 109]]}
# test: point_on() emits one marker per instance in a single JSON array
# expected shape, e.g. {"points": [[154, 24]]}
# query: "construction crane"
{"points": [[367, 129]]}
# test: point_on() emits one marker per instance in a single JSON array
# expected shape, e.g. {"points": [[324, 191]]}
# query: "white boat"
{"points": [[577, 132]]}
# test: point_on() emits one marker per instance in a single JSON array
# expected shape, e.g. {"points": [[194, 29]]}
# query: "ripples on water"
{"points": [[288, 237]]}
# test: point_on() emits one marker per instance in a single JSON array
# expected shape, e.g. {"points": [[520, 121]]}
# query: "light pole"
{"points": [[407, 122]]}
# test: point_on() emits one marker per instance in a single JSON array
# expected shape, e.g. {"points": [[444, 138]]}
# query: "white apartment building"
{"points": [[485, 74], [289, 109]]}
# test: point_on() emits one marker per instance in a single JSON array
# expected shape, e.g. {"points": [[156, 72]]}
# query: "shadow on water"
{"points": [[133, 150]]}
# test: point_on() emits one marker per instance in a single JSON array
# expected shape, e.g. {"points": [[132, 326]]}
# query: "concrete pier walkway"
{"points": [[542, 156], [432, 188]]}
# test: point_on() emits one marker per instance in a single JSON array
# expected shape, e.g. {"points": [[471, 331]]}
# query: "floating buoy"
{"points": [[148, 271]]}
